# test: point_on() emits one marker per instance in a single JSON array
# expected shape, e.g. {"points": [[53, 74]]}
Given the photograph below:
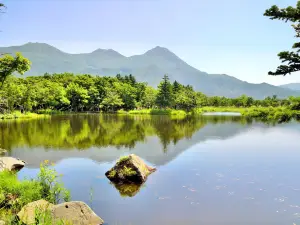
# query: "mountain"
{"points": [[292, 86], [149, 67]]}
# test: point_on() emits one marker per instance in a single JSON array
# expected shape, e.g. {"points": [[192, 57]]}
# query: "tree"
{"points": [[10, 65], [112, 100], [292, 59], [148, 100], [78, 96], [164, 97]]}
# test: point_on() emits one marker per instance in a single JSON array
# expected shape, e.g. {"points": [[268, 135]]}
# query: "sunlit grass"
{"points": [[19, 115]]}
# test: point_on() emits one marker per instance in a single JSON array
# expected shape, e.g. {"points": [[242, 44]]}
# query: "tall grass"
{"points": [[15, 194]]}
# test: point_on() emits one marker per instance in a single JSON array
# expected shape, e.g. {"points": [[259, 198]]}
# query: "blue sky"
{"points": [[216, 36]]}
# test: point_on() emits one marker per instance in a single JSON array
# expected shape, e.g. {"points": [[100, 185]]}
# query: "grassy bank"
{"points": [[14, 194], [19, 115], [279, 114]]}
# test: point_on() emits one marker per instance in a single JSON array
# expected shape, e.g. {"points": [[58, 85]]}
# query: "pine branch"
{"points": [[286, 14]]}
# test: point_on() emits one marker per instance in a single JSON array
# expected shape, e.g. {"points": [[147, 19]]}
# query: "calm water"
{"points": [[211, 170]]}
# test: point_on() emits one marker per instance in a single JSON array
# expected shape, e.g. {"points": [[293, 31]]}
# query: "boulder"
{"points": [[129, 169], [76, 213], [30, 212], [11, 164], [2, 151]]}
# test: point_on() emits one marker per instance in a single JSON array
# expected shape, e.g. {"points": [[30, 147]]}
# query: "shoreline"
{"points": [[280, 114]]}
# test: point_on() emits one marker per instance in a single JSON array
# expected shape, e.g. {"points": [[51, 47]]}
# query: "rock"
{"points": [[11, 164], [2, 222], [2, 151], [76, 213], [28, 213], [129, 169]]}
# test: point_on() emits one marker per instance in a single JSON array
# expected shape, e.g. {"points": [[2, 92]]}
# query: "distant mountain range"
{"points": [[148, 67], [292, 86]]}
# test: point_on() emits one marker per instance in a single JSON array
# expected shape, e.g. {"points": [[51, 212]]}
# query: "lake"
{"points": [[215, 170]]}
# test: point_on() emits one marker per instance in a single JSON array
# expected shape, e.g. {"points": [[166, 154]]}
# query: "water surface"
{"points": [[211, 170]]}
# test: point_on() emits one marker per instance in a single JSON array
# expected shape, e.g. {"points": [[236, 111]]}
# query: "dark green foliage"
{"points": [[76, 93], [164, 97], [292, 59]]}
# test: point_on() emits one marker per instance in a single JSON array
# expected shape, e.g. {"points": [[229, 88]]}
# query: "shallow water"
{"points": [[211, 170]]}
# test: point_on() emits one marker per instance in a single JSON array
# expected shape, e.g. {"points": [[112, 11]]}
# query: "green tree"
{"points": [[148, 100], [165, 96], [112, 100], [290, 58], [78, 96], [10, 65]]}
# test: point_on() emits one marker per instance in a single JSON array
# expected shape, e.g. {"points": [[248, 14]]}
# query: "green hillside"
{"points": [[148, 67]]}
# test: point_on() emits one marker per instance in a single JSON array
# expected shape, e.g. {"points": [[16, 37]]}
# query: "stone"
{"points": [[11, 164], [2, 151], [2, 222], [76, 213], [129, 169], [28, 213]]}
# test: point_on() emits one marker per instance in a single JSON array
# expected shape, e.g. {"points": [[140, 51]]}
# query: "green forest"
{"points": [[79, 93]]}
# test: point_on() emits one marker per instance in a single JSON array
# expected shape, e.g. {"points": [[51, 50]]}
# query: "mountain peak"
{"points": [[108, 52], [38, 47], [159, 50]]}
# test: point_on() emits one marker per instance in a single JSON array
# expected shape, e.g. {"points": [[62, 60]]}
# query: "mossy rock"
{"points": [[129, 170]]}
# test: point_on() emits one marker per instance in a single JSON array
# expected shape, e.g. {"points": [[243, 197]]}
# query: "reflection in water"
{"points": [[210, 170], [85, 131], [104, 138], [127, 190]]}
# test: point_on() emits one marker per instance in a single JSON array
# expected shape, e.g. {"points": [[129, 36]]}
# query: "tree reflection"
{"points": [[83, 131]]}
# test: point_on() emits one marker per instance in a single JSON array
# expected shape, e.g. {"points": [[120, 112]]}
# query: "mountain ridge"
{"points": [[147, 67], [291, 86]]}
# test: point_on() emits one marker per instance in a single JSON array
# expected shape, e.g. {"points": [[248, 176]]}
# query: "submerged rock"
{"points": [[31, 211], [129, 169], [11, 164], [76, 213]]}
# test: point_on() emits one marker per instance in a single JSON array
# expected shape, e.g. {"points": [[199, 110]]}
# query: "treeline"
{"points": [[69, 92]]}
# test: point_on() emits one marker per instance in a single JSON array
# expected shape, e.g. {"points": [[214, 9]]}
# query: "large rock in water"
{"points": [[129, 169], [75, 213], [11, 164], [28, 213]]}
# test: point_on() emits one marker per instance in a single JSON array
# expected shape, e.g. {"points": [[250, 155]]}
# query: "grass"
{"points": [[122, 159], [127, 171], [278, 114], [169, 112], [15, 194], [112, 173], [19, 115]]}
